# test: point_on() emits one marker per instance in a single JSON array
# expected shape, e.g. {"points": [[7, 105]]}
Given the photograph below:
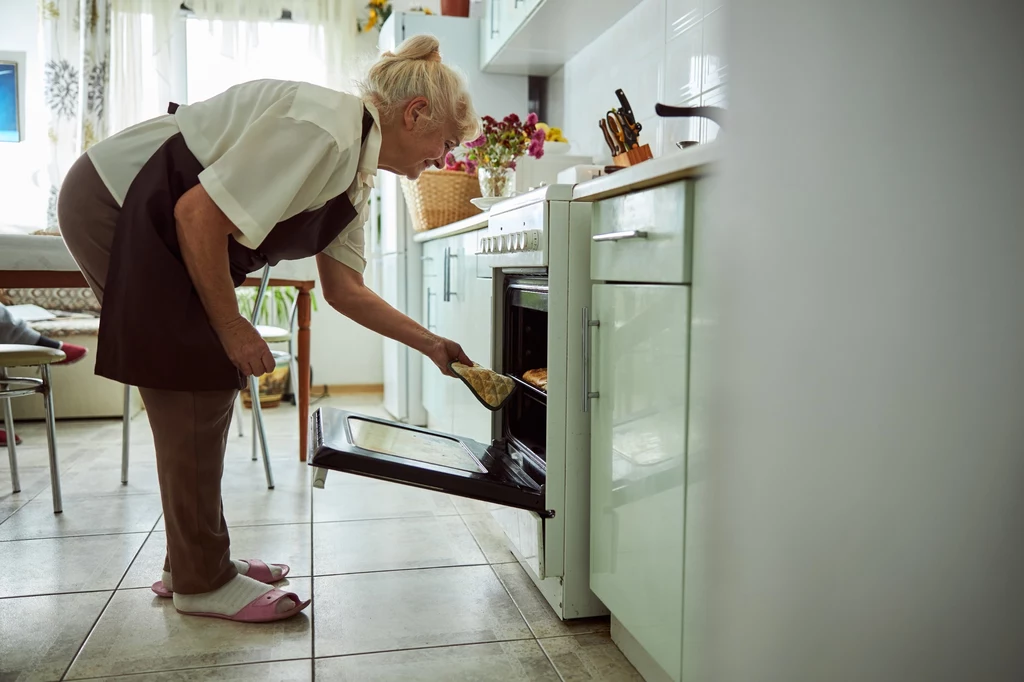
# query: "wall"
{"points": [[681, 64], [22, 203]]}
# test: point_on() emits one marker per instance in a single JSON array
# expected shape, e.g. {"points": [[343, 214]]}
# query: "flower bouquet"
{"points": [[380, 10], [493, 155]]}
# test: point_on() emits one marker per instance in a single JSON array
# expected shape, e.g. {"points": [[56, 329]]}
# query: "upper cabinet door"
{"points": [[638, 461]]}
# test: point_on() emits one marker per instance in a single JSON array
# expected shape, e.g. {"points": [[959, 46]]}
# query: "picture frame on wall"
{"points": [[12, 100]]}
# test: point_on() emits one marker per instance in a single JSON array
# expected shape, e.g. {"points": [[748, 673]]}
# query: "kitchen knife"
{"points": [[626, 113], [609, 139], [621, 131]]}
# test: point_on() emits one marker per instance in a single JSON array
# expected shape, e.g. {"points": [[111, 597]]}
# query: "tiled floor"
{"points": [[407, 584]]}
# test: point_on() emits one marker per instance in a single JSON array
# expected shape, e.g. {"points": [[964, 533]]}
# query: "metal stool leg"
{"points": [[240, 415], [254, 391], [255, 435], [9, 427], [126, 433], [51, 440]]}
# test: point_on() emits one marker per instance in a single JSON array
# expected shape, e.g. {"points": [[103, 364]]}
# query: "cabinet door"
{"points": [[471, 305], [638, 461], [491, 38], [437, 393]]}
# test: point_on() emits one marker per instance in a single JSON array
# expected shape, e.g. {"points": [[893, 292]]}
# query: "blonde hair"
{"points": [[415, 70]]}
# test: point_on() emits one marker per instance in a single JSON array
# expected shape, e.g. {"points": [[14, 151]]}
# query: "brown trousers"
{"points": [[190, 429]]}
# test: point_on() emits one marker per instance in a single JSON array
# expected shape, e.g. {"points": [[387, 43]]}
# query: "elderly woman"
{"points": [[167, 217]]}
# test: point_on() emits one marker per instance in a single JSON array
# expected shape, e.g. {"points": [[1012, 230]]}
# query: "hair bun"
{"points": [[422, 47]]}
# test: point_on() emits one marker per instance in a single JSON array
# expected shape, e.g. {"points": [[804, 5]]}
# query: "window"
{"points": [[220, 54]]}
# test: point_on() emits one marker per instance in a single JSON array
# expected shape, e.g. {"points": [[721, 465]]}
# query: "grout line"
{"points": [[398, 570], [426, 648], [312, 587], [129, 676], [53, 594]]}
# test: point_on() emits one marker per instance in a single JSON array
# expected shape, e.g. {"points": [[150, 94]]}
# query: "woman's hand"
{"points": [[444, 351], [245, 347]]}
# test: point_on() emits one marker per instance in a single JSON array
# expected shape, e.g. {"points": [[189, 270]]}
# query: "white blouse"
{"points": [[270, 150]]}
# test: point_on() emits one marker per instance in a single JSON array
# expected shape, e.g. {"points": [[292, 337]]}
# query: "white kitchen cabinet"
{"points": [[639, 371], [537, 37], [457, 306]]}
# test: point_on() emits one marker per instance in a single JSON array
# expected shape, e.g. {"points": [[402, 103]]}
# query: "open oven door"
{"points": [[392, 451]]}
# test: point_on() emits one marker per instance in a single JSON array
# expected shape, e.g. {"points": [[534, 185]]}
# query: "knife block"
{"points": [[633, 156]]}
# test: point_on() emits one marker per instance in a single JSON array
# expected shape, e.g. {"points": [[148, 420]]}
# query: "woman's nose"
{"points": [[436, 163]]}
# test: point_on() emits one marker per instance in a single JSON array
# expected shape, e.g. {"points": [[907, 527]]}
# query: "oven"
{"points": [[535, 469]]}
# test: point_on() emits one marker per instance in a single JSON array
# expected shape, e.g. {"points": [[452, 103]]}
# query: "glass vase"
{"points": [[497, 182]]}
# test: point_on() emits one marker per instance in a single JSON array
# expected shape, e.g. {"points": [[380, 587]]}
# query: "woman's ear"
{"points": [[414, 110]]}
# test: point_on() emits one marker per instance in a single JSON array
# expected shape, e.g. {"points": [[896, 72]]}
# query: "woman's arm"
{"points": [[345, 291], [203, 231]]}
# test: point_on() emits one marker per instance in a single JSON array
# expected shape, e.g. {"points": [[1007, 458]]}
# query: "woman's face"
{"points": [[416, 143]]}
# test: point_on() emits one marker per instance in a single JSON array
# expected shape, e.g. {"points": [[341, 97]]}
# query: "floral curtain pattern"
{"points": [[76, 55]]}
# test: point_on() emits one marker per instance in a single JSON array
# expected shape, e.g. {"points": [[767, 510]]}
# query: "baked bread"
{"points": [[489, 387], [537, 378]]}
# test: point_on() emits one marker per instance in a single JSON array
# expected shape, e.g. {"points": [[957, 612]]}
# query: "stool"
{"points": [[17, 355]]}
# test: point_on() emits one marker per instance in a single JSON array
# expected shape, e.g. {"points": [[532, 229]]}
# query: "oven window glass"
{"points": [[421, 447], [526, 348]]}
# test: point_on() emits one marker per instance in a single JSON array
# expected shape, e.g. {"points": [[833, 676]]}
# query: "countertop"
{"points": [[470, 224], [684, 163]]}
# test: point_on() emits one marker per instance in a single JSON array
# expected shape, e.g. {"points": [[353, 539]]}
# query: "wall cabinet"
{"points": [[457, 306]]}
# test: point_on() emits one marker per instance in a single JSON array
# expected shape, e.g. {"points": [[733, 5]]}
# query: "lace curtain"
{"points": [[76, 58]]}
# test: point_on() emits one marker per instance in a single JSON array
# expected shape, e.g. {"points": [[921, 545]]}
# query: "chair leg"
{"points": [[51, 440], [240, 416], [9, 428], [254, 391], [126, 433]]}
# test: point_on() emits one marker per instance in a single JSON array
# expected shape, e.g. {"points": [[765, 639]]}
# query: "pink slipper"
{"points": [[257, 571], [260, 610]]}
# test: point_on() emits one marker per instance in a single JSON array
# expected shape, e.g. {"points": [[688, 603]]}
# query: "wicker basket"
{"points": [[438, 198]]}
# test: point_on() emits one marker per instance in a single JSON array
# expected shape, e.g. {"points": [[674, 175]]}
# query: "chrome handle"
{"points": [[448, 276], [445, 291], [619, 236], [494, 13], [587, 393], [430, 294]]}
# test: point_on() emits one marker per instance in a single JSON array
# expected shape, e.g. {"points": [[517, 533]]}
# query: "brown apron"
{"points": [[154, 332]]}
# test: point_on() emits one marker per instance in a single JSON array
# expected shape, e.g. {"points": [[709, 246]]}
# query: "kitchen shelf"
{"points": [[531, 390]]}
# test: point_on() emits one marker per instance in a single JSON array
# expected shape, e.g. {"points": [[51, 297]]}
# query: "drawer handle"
{"points": [[619, 236]]}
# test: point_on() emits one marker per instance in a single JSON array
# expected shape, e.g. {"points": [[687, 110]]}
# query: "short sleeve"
{"points": [[276, 169], [348, 248]]}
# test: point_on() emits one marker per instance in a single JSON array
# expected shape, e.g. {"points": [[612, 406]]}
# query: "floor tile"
{"points": [[466, 505], [589, 657], [271, 544], [371, 612], [260, 506], [279, 671], [521, 661], [490, 537], [387, 544], [76, 564], [350, 498], [538, 613], [83, 515], [139, 632], [39, 636]]}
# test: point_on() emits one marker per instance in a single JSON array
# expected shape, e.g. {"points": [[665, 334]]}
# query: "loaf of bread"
{"points": [[537, 377]]}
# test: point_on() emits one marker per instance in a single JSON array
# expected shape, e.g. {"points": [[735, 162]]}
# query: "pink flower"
{"points": [[478, 142], [449, 161], [538, 136], [536, 149], [531, 119], [471, 166]]}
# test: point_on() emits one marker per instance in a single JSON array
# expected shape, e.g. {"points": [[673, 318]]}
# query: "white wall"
{"points": [[22, 203], [682, 63]]}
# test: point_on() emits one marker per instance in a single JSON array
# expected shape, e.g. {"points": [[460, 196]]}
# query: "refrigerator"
{"points": [[398, 256]]}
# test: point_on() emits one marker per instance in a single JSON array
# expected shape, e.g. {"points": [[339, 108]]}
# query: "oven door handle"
{"points": [[620, 236], [588, 324]]}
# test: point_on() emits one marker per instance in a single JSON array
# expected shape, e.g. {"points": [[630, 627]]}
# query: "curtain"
{"points": [[76, 57], [142, 67]]}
